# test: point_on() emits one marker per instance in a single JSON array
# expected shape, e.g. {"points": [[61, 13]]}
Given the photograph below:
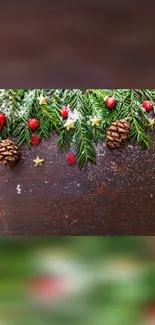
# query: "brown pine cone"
{"points": [[118, 133], [9, 152]]}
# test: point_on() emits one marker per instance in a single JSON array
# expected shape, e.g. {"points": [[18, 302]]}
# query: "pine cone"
{"points": [[118, 133], [9, 152]]}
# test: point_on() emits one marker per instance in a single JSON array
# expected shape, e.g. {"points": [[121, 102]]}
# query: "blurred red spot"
{"points": [[149, 315], [51, 287]]}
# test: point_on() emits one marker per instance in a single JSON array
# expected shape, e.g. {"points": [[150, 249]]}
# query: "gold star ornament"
{"points": [[69, 125], [38, 161], [95, 121], [42, 100], [152, 123]]}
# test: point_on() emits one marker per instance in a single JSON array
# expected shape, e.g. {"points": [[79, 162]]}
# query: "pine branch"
{"points": [[65, 139], [83, 143], [139, 122]]}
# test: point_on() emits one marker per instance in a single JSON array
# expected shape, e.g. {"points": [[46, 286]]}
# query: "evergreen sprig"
{"points": [[21, 105], [83, 142]]}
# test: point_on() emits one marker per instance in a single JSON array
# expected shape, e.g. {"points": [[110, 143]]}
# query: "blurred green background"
{"points": [[77, 280]]}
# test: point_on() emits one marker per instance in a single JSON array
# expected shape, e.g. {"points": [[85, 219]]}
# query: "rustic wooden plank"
{"points": [[105, 44], [115, 197]]}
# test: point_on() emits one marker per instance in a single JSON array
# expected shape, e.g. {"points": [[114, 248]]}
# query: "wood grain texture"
{"points": [[115, 197], [69, 44]]}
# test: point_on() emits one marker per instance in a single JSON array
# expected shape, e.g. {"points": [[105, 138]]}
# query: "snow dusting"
{"points": [[18, 188]]}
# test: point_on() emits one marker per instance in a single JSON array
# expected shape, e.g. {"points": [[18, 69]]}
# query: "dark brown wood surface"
{"points": [[115, 197], [61, 44]]}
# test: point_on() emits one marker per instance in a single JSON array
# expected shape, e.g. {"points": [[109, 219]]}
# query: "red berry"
{"points": [[147, 105], [64, 112], [33, 124], [71, 159], [2, 121], [35, 140], [111, 102]]}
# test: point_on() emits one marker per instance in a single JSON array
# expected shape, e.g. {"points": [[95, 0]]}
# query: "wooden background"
{"points": [[73, 44], [69, 44], [115, 197]]}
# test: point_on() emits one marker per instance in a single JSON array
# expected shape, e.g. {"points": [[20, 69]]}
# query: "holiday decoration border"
{"points": [[80, 118]]}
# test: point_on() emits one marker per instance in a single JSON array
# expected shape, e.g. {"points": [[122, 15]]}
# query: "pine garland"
{"points": [[21, 105]]}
